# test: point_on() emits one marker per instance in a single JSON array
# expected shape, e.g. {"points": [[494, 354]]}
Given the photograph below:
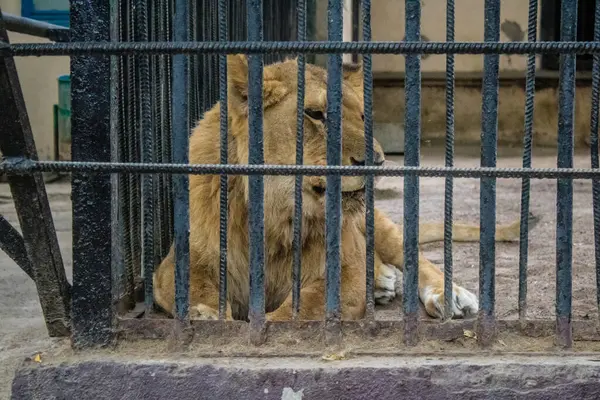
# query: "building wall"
{"points": [[388, 24], [39, 81], [388, 103]]}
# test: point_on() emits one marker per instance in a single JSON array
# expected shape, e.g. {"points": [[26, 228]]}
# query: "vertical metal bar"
{"points": [[93, 310], [146, 124], [527, 142], [224, 126], [564, 189], [594, 149], [119, 274], [412, 144], [333, 191], [256, 184], [311, 11], [489, 133], [297, 244], [356, 24], [180, 154], [369, 192], [449, 162]]}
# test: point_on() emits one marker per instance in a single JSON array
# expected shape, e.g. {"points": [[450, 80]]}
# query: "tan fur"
{"points": [[280, 93]]}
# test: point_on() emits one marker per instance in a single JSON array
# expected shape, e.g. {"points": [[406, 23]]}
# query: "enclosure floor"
{"points": [[23, 333], [541, 288]]}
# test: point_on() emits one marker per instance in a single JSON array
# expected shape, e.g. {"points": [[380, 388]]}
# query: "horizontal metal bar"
{"points": [[28, 26], [126, 48], [24, 167]]}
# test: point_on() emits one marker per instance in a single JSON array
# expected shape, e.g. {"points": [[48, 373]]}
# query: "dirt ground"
{"points": [[22, 330], [542, 240]]}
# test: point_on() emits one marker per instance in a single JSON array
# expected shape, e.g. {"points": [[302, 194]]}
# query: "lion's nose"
{"points": [[378, 159]]}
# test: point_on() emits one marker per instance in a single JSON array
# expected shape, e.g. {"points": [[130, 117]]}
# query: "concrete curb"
{"points": [[294, 379]]}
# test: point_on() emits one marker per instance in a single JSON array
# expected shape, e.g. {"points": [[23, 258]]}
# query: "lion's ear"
{"points": [[237, 76], [353, 75]]}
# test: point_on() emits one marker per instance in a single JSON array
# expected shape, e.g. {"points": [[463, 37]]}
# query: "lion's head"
{"points": [[280, 91]]}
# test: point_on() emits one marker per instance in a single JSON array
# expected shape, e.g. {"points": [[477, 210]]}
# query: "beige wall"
{"points": [[39, 81], [388, 24]]}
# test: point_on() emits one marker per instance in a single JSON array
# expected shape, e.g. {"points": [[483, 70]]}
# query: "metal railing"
{"points": [[97, 252]]}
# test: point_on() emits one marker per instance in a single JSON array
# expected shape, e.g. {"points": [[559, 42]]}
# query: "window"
{"points": [[551, 31], [52, 11]]}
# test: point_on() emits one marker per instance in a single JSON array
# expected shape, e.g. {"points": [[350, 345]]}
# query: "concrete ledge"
{"points": [[379, 378]]}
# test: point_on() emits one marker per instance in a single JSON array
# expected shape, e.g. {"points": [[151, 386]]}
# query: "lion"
{"points": [[280, 114]]}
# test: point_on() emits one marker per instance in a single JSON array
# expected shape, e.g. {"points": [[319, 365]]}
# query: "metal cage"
{"points": [[140, 79]]}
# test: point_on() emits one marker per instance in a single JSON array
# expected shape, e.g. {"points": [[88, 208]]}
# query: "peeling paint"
{"points": [[289, 394], [512, 30]]}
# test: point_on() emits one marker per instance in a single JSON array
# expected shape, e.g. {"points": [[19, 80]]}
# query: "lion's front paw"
{"points": [[385, 284], [203, 312], [464, 303]]}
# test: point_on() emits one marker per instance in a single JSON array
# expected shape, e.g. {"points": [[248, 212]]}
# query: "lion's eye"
{"points": [[315, 114], [363, 117]]}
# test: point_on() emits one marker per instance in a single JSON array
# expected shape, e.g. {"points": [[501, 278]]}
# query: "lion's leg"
{"points": [[312, 304], [312, 298], [431, 293], [204, 295], [389, 248]]}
